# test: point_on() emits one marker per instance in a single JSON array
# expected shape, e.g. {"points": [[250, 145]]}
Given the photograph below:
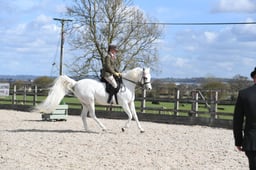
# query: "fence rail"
{"points": [[197, 109]]}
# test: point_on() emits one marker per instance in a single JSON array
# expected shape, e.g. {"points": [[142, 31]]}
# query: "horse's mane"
{"points": [[132, 74]]}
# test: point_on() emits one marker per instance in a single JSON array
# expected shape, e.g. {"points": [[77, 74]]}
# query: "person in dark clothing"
{"points": [[110, 73], [110, 66], [244, 122]]}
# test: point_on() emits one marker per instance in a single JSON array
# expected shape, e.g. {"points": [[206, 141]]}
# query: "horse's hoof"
{"points": [[142, 131], [123, 129]]}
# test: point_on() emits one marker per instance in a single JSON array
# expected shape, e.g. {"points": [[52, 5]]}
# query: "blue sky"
{"points": [[30, 37]]}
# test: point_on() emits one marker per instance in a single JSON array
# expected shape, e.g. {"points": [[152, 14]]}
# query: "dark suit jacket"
{"points": [[109, 67], [245, 113]]}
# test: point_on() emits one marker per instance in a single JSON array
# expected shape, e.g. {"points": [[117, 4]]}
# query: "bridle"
{"points": [[142, 81]]}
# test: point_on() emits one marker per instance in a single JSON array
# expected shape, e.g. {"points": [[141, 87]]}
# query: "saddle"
{"points": [[111, 90]]}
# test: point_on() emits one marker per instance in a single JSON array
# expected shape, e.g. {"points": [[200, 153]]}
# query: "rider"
{"points": [[110, 66]]}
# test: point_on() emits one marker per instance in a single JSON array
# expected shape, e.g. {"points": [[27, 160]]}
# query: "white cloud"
{"points": [[235, 6], [222, 52], [245, 32], [163, 10], [30, 39], [43, 19], [61, 8], [181, 62], [210, 36]]}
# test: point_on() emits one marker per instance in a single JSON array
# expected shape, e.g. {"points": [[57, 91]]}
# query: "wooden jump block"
{"points": [[60, 113]]}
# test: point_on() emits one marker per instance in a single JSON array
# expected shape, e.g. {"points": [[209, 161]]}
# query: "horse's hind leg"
{"points": [[84, 115], [92, 114]]}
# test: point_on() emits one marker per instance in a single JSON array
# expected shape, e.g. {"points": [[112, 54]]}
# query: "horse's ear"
{"points": [[147, 69]]}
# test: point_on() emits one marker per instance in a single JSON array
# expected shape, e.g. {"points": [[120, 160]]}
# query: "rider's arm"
{"points": [[108, 66]]}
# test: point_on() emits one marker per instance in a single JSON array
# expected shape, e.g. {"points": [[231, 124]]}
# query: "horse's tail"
{"points": [[62, 85]]}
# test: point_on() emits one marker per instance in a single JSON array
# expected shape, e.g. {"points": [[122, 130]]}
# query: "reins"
{"points": [[141, 85], [130, 80]]}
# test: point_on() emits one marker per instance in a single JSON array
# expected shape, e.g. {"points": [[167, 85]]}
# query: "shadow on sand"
{"points": [[51, 131]]}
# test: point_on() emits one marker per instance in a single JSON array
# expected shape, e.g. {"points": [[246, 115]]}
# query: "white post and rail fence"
{"points": [[194, 109]]}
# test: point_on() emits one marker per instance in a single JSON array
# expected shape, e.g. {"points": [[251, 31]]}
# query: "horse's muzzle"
{"points": [[148, 87]]}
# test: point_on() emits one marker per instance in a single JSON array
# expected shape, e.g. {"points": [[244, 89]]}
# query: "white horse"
{"points": [[90, 91]]}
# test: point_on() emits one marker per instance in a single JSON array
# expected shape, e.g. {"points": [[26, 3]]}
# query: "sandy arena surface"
{"points": [[27, 142]]}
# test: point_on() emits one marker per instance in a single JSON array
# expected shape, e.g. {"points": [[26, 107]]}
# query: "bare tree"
{"points": [[239, 82], [99, 23]]}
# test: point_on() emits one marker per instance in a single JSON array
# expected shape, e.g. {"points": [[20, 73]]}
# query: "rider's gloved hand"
{"points": [[118, 74]]}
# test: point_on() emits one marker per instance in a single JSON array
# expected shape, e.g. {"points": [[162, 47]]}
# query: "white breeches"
{"points": [[111, 80]]}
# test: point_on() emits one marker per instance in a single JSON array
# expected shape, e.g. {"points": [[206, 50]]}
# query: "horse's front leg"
{"points": [[129, 114], [133, 110]]}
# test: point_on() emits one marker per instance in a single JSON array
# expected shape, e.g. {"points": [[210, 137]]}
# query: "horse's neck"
{"points": [[131, 78], [133, 75], [130, 84]]}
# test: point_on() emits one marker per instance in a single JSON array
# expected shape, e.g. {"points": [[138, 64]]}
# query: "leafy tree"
{"points": [[214, 84], [43, 82], [185, 89], [99, 23], [19, 84], [161, 87], [239, 82]]}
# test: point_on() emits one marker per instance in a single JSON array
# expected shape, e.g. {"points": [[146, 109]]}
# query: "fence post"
{"points": [[35, 96], [177, 102], [25, 94], [194, 105], [214, 105], [14, 95], [143, 101]]}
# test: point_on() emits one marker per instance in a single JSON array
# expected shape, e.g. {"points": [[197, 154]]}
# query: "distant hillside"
{"points": [[10, 78], [197, 80], [194, 80]]}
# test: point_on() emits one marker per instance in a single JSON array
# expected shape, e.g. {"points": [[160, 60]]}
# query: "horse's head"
{"points": [[139, 76], [146, 79]]}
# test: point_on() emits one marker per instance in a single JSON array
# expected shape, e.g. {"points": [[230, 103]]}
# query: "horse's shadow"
{"points": [[51, 131], [55, 131]]}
